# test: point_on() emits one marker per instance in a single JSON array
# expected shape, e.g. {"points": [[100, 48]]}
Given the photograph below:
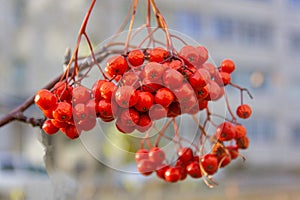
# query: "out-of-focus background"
{"points": [[262, 36]]}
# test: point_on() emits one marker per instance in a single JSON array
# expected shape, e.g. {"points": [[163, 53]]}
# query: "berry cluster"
{"points": [[143, 86], [71, 110]]}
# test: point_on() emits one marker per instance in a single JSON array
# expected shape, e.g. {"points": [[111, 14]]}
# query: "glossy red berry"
{"points": [[193, 170], [80, 112], [107, 89], [190, 53], [158, 54], [145, 101], [136, 57], [199, 79], [117, 65], [228, 66], [164, 97], [244, 111], [172, 174], [185, 154], [144, 123], [130, 117], [71, 132], [153, 71], [96, 89], [172, 78], [146, 167], [225, 132], [104, 108], [63, 112], [45, 100], [126, 96], [81, 95], [156, 155], [63, 91], [49, 128], [209, 163], [157, 111], [161, 170], [141, 154], [223, 78], [203, 54]]}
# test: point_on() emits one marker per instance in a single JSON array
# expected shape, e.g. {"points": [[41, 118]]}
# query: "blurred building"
{"points": [[262, 36]]}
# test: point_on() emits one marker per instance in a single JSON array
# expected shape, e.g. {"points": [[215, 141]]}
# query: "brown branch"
{"points": [[17, 113]]}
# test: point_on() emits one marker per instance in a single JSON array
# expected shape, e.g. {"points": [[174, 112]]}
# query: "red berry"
{"points": [[126, 96], [63, 112], [59, 124], [203, 54], [144, 123], [227, 66], [81, 95], [80, 112], [136, 57], [215, 91], [158, 54], [190, 53], [234, 151], [45, 100], [117, 65], [244, 111], [199, 79], [96, 89], [63, 91], [202, 93], [225, 131], [107, 89], [172, 78], [131, 78], [104, 108], [164, 97], [174, 109], [49, 128], [145, 101], [242, 142], [153, 71], [225, 160], [157, 111], [211, 68], [130, 117], [146, 167], [185, 154], [141, 154], [209, 163], [157, 155], [123, 127], [193, 169], [161, 170], [71, 132], [223, 78], [240, 131], [172, 174]]}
